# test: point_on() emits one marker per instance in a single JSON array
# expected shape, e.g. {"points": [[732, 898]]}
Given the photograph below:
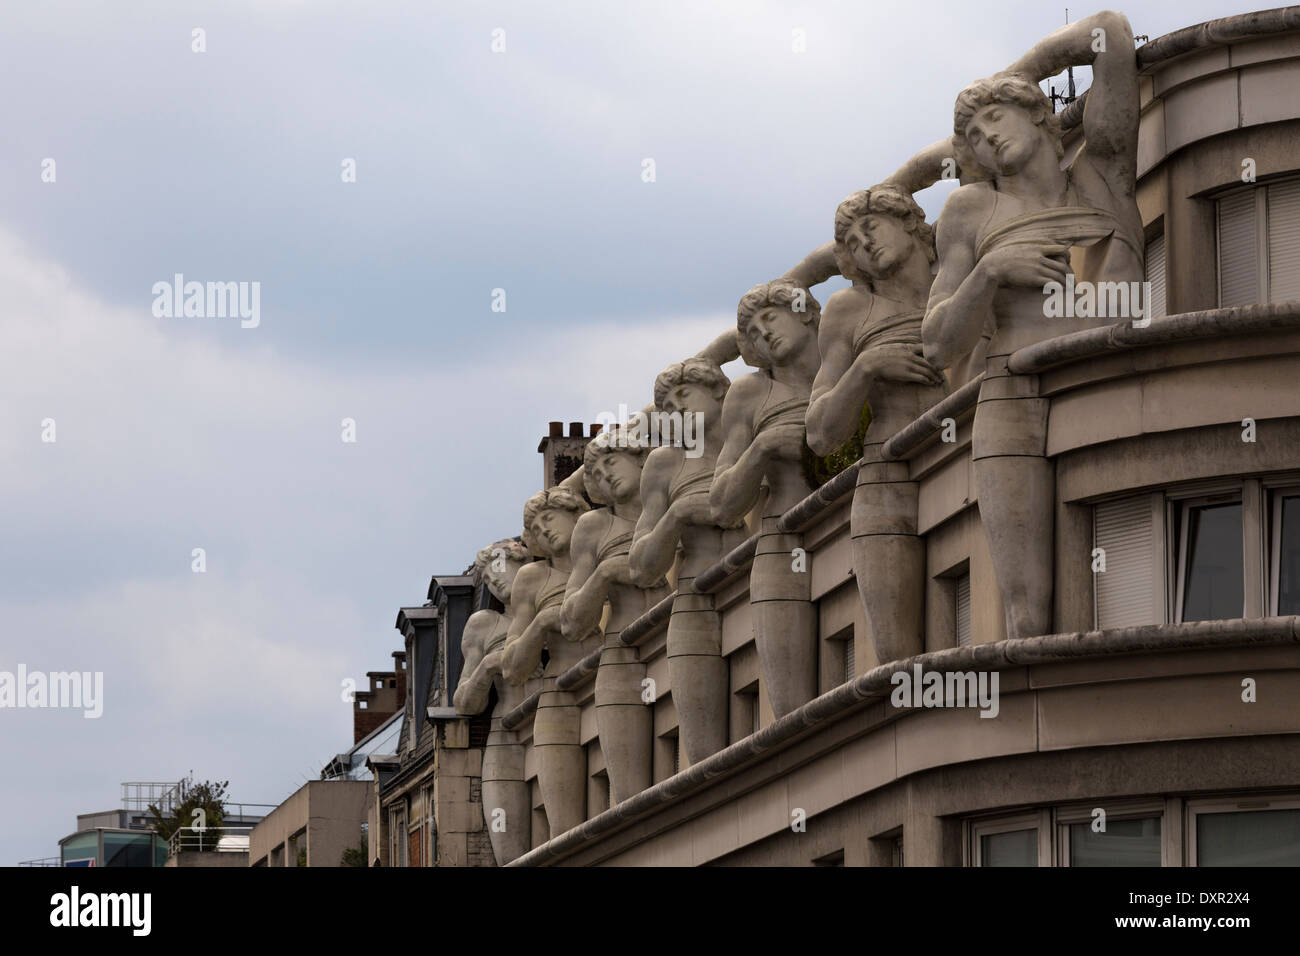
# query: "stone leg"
{"points": [[889, 557], [505, 797], [785, 620], [698, 672], [1015, 481], [625, 723], [561, 759]]}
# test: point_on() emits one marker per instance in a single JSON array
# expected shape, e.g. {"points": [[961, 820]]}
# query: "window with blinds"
{"points": [[1238, 250], [1155, 275], [850, 664], [1284, 241], [1129, 591], [1258, 244], [962, 590]]}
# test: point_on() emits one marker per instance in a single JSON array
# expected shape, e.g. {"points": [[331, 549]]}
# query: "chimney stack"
{"points": [[561, 453]]}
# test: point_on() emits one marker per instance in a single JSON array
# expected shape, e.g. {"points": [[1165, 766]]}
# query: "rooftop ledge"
{"points": [[876, 685], [1201, 36]]}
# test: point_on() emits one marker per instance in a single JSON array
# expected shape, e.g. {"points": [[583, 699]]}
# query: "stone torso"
{"points": [[893, 404], [784, 408], [1086, 219]]}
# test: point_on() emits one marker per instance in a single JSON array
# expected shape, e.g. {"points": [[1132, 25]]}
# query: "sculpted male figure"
{"points": [[763, 441], [675, 500], [870, 341], [505, 793], [549, 519], [602, 541], [1000, 242]]}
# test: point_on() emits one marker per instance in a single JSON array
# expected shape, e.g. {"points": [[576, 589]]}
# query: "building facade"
{"points": [[1160, 696]]}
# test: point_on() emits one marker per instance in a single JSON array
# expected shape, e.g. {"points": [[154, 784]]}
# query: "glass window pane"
{"points": [[1250, 838], [1288, 559], [1124, 843], [127, 849], [1213, 588], [1015, 848]]}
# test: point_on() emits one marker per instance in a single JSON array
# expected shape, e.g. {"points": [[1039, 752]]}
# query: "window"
{"points": [[1211, 570], [1285, 565], [1259, 244], [397, 845], [838, 661], [962, 610], [541, 826], [1021, 840], [1128, 586], [743, 716], [1131, 842], [1155, 274], [1241, 830], [1238, 252], [949, 606], [1244, 832], [830, 859], [898, 851], [599, 796], [1284, 241]]}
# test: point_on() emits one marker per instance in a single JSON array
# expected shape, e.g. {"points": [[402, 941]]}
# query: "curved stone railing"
{"points": [[878, 684], [521, 713], [1185, 327], [912, 436]]}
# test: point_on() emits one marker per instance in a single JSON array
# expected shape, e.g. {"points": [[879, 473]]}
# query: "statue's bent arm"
{"points": [[961, 299], [738, 475], [654, 542], [840, 389], [585, 593]]}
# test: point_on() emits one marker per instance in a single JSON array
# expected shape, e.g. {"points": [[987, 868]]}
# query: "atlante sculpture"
{"points": [[675, 513], [549, 519], [764, 447], [1002, 242], [506, 810], [602, 540]]}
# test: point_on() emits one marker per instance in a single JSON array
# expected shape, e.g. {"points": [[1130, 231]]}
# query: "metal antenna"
{"points": [[1070, 95]]}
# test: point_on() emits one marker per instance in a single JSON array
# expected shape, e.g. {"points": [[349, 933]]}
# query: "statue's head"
{"points": [[696, 385], [877, 230], [549, 517], [1000, 123], [612, 463], [498, 563], [775, 322]]}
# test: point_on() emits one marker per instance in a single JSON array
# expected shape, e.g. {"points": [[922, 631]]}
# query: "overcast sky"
{"points": [[475, 171]]}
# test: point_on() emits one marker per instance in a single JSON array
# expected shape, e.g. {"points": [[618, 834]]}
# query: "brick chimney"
{"points": [[561, 453], [385, 695]]}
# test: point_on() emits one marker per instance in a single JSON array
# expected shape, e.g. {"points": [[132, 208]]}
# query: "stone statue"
{"points": [[506, 809], [763, 444], [602, 540], [870, 341], [549, 519], [1001, 242], [675, 500]]}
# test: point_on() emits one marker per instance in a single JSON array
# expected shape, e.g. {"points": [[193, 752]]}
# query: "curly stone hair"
{"points": [[886, 199], [512, 548], [694, 371], [618, 439], [1010, 88], [556, 497], [779, 292]]}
